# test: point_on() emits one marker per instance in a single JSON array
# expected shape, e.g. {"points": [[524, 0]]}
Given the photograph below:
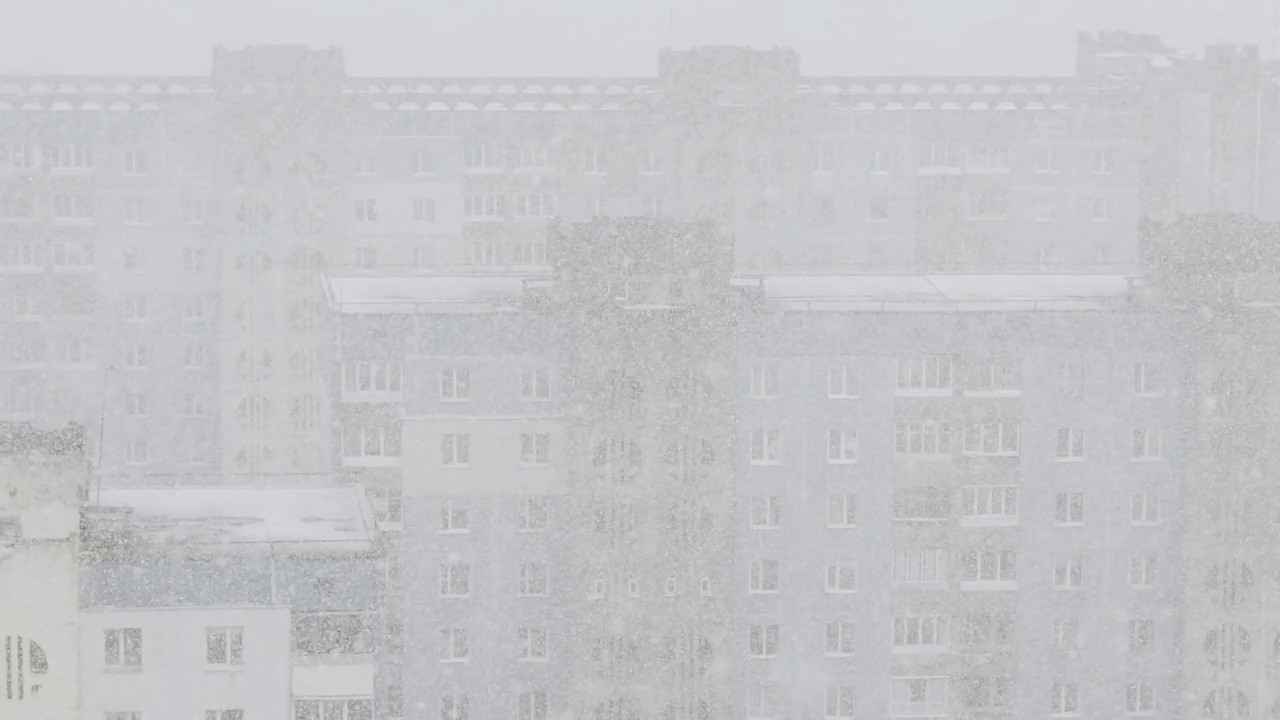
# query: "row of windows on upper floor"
{"points": [[80, 255], [823, 157]]}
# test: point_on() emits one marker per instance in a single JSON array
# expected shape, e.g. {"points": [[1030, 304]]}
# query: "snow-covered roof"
{"points": [[417, 294], [933, 293], [291, 518]]}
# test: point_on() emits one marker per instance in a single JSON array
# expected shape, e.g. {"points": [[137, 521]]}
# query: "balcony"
{"points": [[333, 675]]}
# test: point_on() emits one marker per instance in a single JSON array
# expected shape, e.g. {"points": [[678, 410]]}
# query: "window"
{"points": [[1101, 209], [135, 307], [532, 580], [652, 206], [455, 449], [1070, 444], [366, 256], [1146, 379], [454, 517], [15, 156], [842, 576], [764, 447], [533, 205], [424, 210], [193, 308], [455, 580], [365, 441], [988, 565], [878, 209], [533, 449], [765, 381], [193, 211], [1142, 634], [366, 210], [455, 384], [1145, 509], [1046, 211], [927, 373], [371, 376], [137, 212], [922, 438], [764, 641], [27, 254], [123, 715], [988, 205], [919, 565], [597, 588], [70, 157], [840, 702], [135, 163], [920, 631], [135, 404], [1139, 699], [533, 514], [422, 162], [1046, 161], [223, 715], [918, 697], [136, 451], [842, 380], [193, 405], [1142, 572], [1066, 699], [531, 156], [1071, 379], [986, 628], [842, 446], [704, 585], [824, 159], [535, 384], [986, 693], [593, 160], [193, 259], [921, 503], [995, 375], [989, 502], [878, 161], [532, 705], [992, 438], [224, 646], [984, 156], [532, 643], [760, 701], [1066, 634], [1146, 444], [1068, 572], [841, 510], [481, 156], [1103, 161], [1069, 509], [366, 164], [455, 645], [73, 207], [122, 648], [941, 155], [422, 256], [764, 512], [764, 576]]}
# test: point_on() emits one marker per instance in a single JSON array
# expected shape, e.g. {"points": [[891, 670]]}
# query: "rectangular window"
{"points": [[823, 159], [842, 576], [1046, 211], [533, 514], [918, 697], [988, 565], [1101, 208], [840, 638], [1069, 509], [841, 510], [489, 205], [192, 259], [1142, 572], [122, 648], [455, 449], [1071, 379], [922, 438], [765, 381], [193, 211], [455, 645], [986, 629], [193, 405], [137, 212], [1147, 379], [424, 210], [989, 502], [764, 576], [193, 308], [454, 517], [136, 451], [764, 641], [224, 715], [995, 375], [878, 209], [988, 205], [764, 512], [532, 705], [1066, 634], [919, 565], [1070, 444], [69, 157], [533, 205], [593, 160], [366, 164], [1068, 572], [532, 580], [764, 447], [370, 442], [455, 384], [135, 307], [842, 446], [123, 715], [15, 156], [652, 206], [481, 156], [1066, 699], [535, 384], [1139, 699], [924, 374], [73, 207], [941, 155], [1046, 161], [455, 580], [224, 646], [1146, 444], [986, 693], [1142, 635], [531, 156], [371, 376], [1145, 509], [842, 380], [135, 404], [422, 162], [921, 503], [534, 449], [992, 438], [366, 210], [987, 156], [532, 643], [840, 702], [1103, 161], [921, 631]]}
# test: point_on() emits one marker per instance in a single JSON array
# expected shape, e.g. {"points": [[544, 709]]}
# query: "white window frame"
{"points": [[1070, 444], [534, 515], [992, 438], [1046, 160], [365, 210], [1148, 379], [1146, 444], [535, 384], [1103, 160], [989, 504], [136, 452], [1002, 564], [455, 384], [1068, 572], [915, 631], [842, 509], [762, 643], [878, 209], [128, 648], [841, 702], [764, 512], [366, 164], [1066, 633], [925, 375], [455, 645], [1140, 699], [69, 157], [842, 447], [424, 210], [371, 377], [1069, 509], [765, 448], [455, 517], [535, 449], [532, 642], [1100, 208], [764, 577], [482, 157], [232, 639], [1142, 635], [1066, 699], [455, 450], [919, 566], [532, 580], [918, 696], [1142, 572], [1144, 509], [766, 381], [842, 380], [925, 438], [841, 576]]}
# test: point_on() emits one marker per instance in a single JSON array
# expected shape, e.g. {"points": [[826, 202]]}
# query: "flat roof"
{"points": [[315, 519], [933, 293]]}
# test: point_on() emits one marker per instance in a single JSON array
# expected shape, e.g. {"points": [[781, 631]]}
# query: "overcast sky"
{"points": [[604, 37]]}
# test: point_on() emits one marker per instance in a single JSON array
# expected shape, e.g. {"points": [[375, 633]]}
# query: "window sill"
{"points": [[993, 393], [766, 462], [923, 392], [1013, 455], [1068, 524], [831, 461], [1069, 459], [120, 670], [455, 661], [1145, 459], [841, 397], [988, 585], [840, 527], [224, 669], [989, 521], [761, 592]]}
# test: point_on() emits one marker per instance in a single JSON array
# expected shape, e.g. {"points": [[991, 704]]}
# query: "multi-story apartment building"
{"points": [[229, 603]]}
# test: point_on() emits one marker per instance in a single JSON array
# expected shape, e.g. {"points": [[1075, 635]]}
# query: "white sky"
{"points": [[604, 37]]}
